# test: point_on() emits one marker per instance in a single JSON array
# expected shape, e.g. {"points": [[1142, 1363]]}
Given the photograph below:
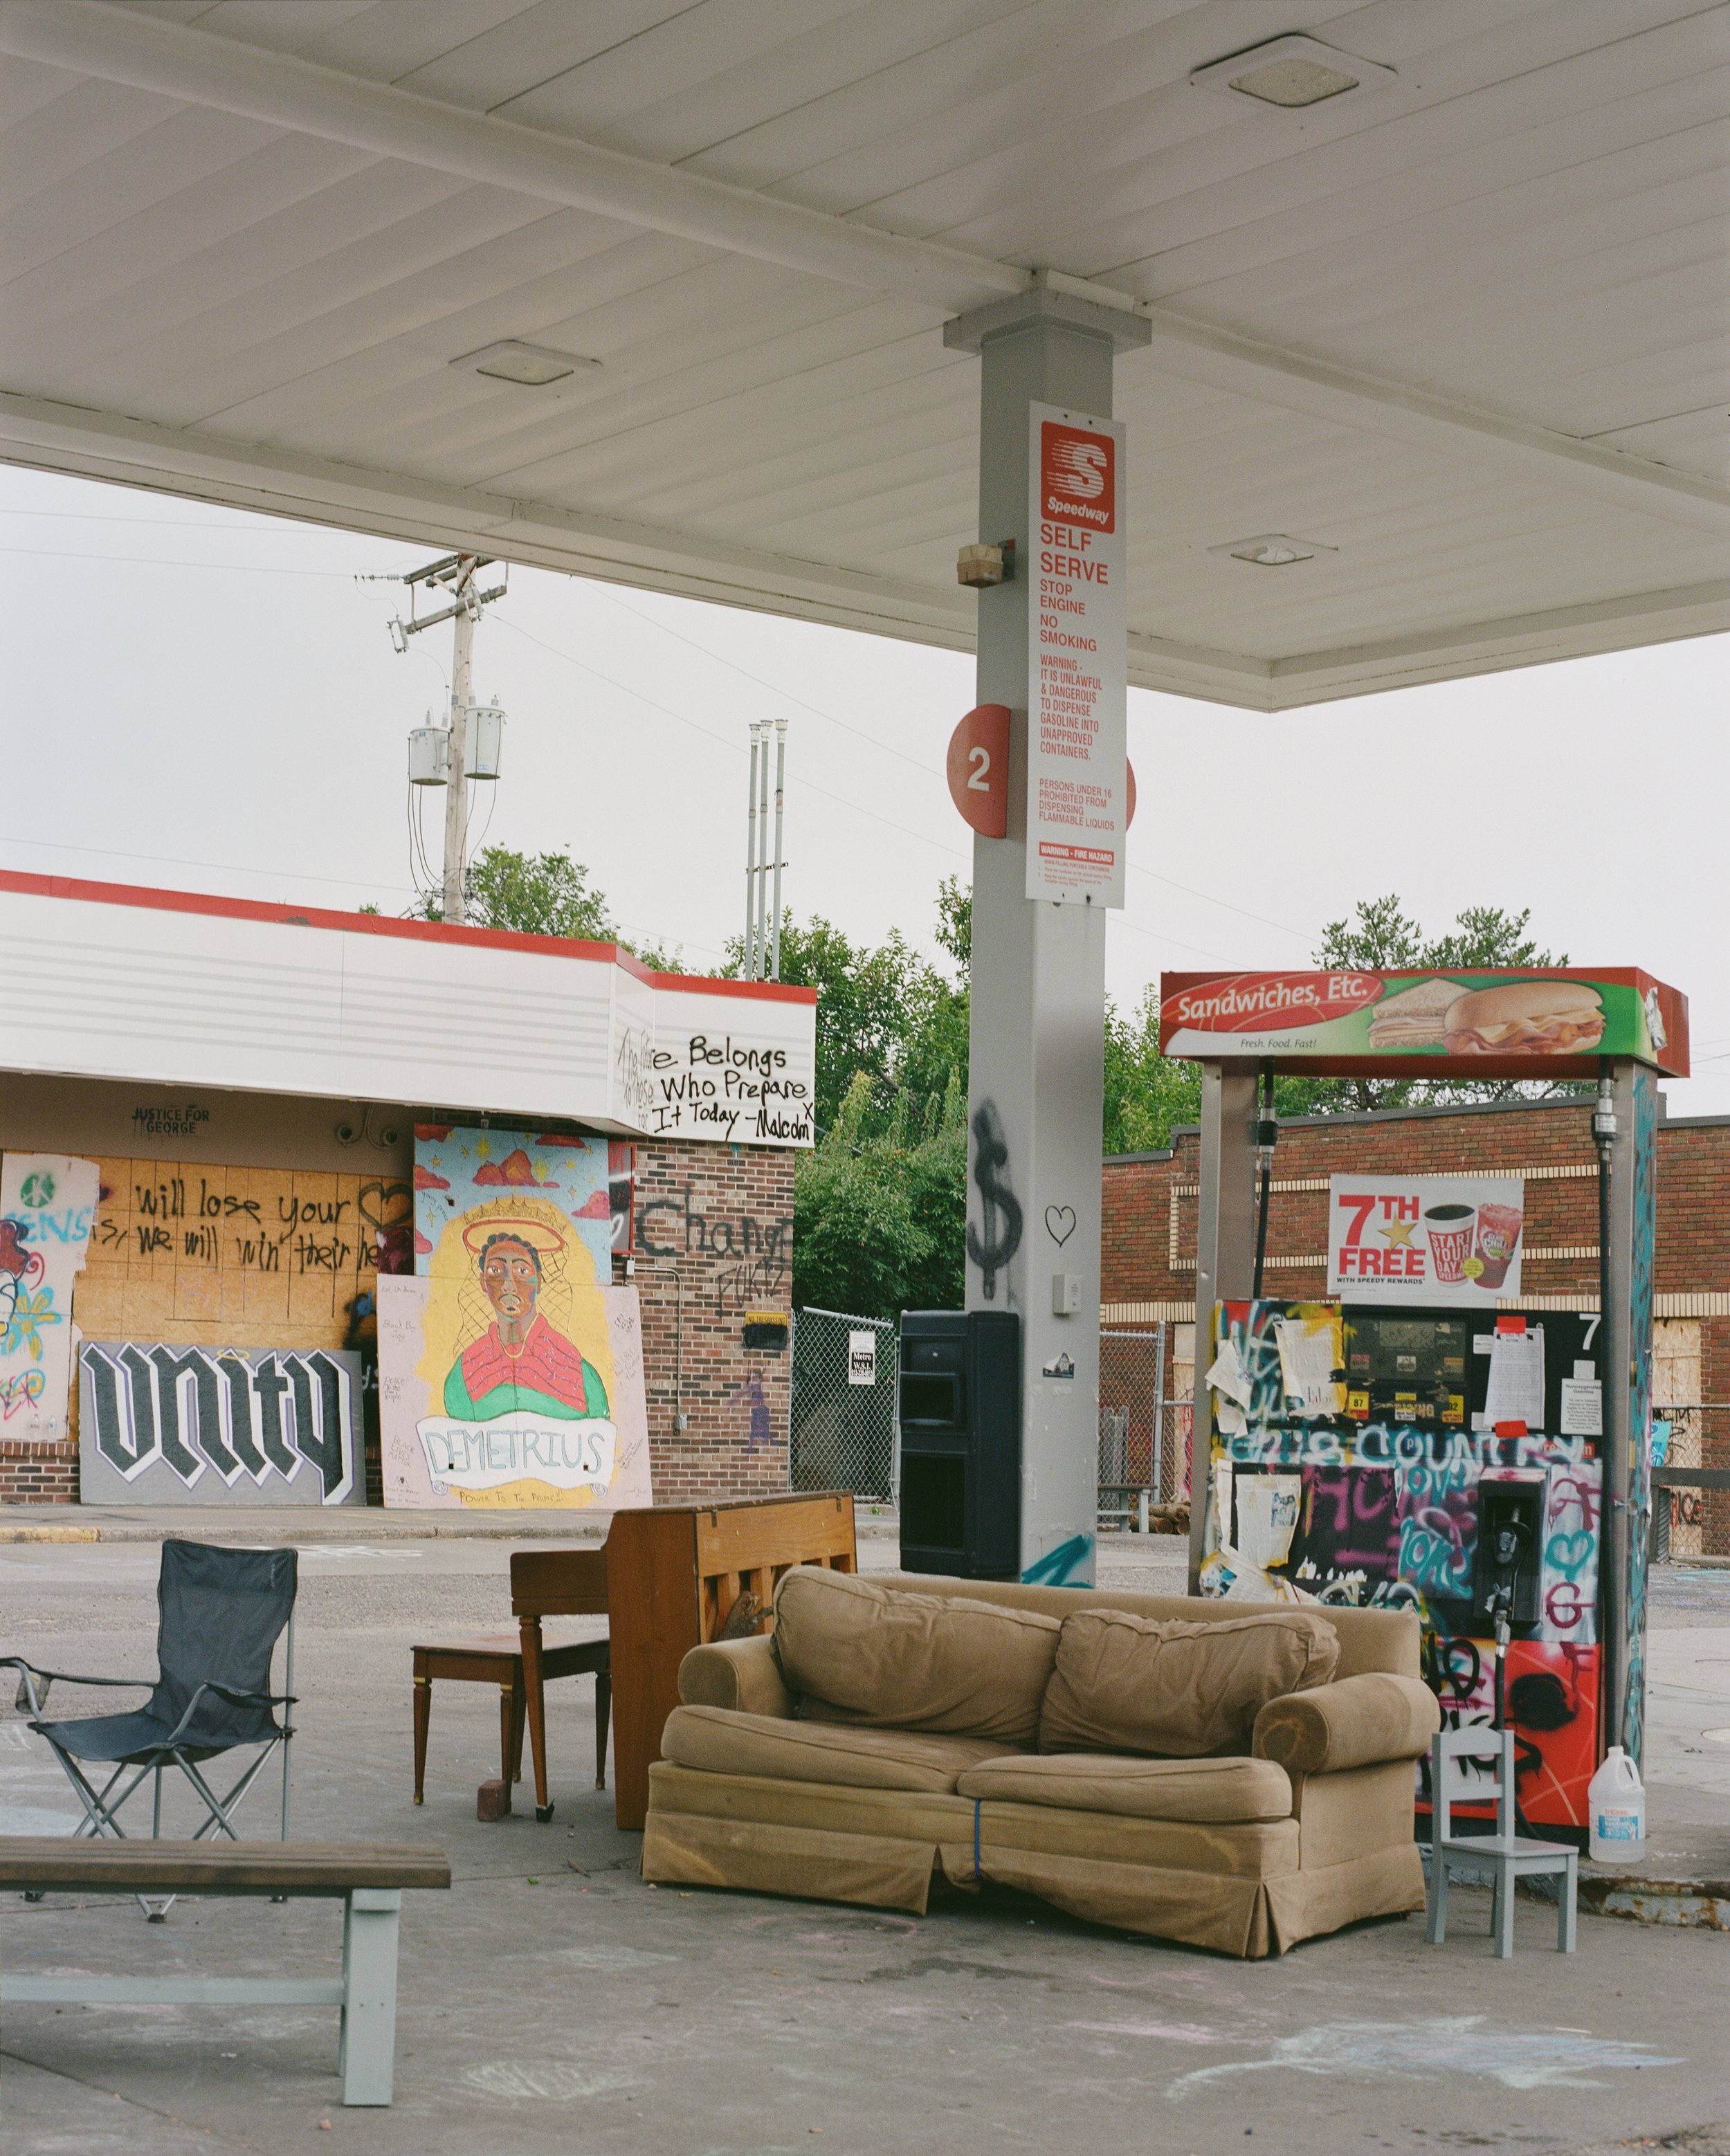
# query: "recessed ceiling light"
{"points": [[530, 366], [1293, 73], [1273, 550]]}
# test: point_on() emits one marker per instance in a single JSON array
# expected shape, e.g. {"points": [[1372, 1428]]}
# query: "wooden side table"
{"points": [[496, 1658]]}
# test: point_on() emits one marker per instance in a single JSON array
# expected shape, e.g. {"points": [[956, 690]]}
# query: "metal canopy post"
{"points": [[1035, 1096], [1627, 1408], [1224, 1256]]}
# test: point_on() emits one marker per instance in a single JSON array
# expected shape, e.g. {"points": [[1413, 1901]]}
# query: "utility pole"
{"points": [[762, 922], [451, 767], [780, 791], [757, 746], [456, 790]]}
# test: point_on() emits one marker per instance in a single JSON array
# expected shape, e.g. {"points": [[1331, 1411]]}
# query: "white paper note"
{"points": [[1267, 1517], [1308, 1358], [1228, 1375], [1582, 1408], [1517, 1379]]}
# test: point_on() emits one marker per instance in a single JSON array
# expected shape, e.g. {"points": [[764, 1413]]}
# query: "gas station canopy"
{"points": [[654, 292]]}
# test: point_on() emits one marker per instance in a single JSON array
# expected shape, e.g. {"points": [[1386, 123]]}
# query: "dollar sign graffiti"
{"points": [[1000, 1211]]}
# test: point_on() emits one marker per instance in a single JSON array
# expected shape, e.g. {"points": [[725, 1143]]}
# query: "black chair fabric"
{"points": [[220, 1614]]}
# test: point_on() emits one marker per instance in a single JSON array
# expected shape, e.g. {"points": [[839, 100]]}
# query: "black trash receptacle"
{"points": [[959, 1402]]}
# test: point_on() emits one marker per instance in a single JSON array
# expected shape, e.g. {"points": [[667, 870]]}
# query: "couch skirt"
{"points": [[1237, 1889]]}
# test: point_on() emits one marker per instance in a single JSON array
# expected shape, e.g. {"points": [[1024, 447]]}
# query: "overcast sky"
{"points": [[209, 700]]}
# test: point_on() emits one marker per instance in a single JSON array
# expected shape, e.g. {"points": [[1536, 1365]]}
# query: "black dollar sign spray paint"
{"points": [[1000, 1209]]}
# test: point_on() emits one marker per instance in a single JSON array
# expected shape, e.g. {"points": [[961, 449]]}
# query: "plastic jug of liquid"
{"points": [[1617, 1804]]}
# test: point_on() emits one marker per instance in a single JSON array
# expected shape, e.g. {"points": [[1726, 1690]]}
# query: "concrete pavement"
{"points": [[554, 2003]]}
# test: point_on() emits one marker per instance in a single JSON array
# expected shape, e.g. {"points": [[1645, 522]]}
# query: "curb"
{"points": [[50, 1534], [1693, 1904], [1684, 1904]]}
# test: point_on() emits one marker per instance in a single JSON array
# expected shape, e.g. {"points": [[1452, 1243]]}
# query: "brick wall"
{"points": [[1693, 1254], [720, 1217], [38, 1474]]}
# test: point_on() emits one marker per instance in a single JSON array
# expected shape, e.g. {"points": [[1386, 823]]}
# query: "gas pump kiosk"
{"points": [[1430, 1436]]}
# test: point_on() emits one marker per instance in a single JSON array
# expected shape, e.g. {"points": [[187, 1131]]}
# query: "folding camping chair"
{"points": [[221, 1613]]}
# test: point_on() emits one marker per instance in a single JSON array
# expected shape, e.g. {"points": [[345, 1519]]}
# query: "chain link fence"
{"points": [[843, 1435], [1143, 1432], [1691, 1523]]}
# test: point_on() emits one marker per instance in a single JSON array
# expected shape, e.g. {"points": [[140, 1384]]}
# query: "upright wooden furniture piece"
{"points": [[668, 1579], [367, 1879], [1507, 1855]]}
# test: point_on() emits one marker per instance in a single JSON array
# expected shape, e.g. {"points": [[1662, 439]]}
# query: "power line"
{"points": [[184, 861], [156, 562], [809, 785], [918, 764], [261, 569]]}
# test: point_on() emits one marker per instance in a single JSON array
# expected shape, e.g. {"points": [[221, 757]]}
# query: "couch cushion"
{"points": [[1177, 1690], [1202, 1789], [719, 1741], [1359, 1721], [912, 1661], [1368, 1639]]}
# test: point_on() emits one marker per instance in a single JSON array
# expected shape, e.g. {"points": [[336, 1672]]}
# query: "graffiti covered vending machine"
{"points": [[1372, 1448]]}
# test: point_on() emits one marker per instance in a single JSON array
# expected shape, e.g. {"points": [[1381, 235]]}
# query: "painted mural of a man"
{"points": [[521, 1364]]}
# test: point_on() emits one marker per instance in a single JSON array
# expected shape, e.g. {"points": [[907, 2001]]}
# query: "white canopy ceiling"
{"points": [[1463, 332]]}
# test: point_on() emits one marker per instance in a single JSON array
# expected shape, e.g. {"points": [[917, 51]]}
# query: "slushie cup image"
{"points": [[1498, 1238], [1451, 1230]]}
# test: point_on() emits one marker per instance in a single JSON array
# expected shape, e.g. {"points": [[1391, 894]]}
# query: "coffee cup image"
{"points": [[1452, 1231]]}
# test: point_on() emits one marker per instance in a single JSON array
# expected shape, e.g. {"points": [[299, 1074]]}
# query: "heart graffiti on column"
{"points": [[1059, 1223]]}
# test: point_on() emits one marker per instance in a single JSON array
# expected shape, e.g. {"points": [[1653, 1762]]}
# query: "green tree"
{"points": [[1381, 936], [1147, 1095], [539, 895], [879, 1210], [872, 1008]]}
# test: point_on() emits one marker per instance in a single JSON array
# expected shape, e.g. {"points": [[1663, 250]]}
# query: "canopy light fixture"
{"points": [[1273, 550], [1293, 73], [530, 366]]}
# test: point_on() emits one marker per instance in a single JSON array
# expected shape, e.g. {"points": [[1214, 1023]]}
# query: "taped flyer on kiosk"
{"points": [[1077, 730], [1424, 1239]]}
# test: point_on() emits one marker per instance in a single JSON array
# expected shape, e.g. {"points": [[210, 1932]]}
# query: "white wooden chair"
{"points": [[1507, 1855]]}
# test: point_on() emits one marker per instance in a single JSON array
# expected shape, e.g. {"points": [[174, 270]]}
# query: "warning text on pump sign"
{"points": [[1401, 1259]]}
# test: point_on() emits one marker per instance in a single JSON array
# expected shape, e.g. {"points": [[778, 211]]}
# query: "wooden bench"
{"points": [[368, 1877]]}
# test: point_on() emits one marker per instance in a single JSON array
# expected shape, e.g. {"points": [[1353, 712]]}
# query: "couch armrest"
{"points": [[742, 1674], [1357, 1722]]}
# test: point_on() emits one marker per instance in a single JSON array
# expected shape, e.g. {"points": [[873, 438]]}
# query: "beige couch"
{"points": [[1255, 1790]]}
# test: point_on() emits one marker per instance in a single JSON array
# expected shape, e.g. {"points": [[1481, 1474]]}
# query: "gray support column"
{"points": [[1627, 1408], [1036, 1083], [1224, 1255]]}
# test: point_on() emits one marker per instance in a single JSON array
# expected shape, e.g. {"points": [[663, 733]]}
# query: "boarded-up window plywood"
{"points": [[243, 1257], [1675, 1384]]}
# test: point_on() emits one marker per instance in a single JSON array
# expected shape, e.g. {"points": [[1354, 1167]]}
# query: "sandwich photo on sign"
{"points": [[1416, 1017], [1526, 1018]]}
